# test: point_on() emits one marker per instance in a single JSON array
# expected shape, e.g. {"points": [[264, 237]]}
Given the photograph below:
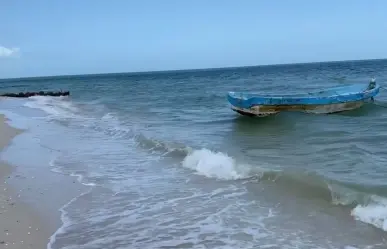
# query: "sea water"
{"points": [[167, 164]]}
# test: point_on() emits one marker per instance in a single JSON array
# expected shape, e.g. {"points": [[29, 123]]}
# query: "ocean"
{"points": [[167, 164]]}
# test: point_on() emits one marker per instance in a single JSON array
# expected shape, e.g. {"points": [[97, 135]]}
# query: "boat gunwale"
{"points": [[301, 99]]}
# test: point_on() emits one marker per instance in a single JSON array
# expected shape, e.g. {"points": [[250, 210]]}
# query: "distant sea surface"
{"points": [[169, 165]]}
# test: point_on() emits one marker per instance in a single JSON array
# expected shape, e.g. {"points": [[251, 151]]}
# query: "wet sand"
{"points": [[20, 226]]}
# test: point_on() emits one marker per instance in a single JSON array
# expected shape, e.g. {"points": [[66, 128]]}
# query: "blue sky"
{"points": [[75, 37]]}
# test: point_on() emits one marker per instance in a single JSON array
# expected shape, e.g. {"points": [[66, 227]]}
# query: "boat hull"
{"points": [[268, 110]]}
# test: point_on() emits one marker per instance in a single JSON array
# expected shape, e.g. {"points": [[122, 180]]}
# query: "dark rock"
{"points": [[40, 93]]}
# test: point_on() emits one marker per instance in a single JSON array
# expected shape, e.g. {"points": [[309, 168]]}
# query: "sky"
{"points": [[45, 37]]}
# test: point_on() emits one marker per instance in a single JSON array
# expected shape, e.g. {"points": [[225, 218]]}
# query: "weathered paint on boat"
{"points": [[332, 100]]}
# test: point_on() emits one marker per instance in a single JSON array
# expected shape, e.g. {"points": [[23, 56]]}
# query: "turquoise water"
{"points": [[169, 165]]}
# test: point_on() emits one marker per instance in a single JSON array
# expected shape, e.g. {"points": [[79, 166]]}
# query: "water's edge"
{"points": [[46, 201]]}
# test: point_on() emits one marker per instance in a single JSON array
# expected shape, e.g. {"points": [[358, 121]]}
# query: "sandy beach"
{"points": [[20, 226]]}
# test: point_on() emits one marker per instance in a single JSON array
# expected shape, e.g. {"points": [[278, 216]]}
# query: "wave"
{"points": [[216, 165], [66, 222], [366, 206], [221, 166], [367, 203], [374, 213], [176, 150]]}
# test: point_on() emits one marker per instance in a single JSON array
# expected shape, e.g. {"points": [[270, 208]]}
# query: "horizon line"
{"points": [[185, 70]]}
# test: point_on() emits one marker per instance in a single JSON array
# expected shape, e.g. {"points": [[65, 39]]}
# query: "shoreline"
{"points": [[31, 196], [30, 205], [20, 227]]}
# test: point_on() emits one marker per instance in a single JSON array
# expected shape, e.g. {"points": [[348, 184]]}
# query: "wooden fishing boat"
{"points": [[332, 100]]}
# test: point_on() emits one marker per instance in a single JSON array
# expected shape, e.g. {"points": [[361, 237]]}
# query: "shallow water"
{"points": [[169, 165]]}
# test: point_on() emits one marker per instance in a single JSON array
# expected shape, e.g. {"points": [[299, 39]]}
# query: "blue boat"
{"points": [[332, 100]]}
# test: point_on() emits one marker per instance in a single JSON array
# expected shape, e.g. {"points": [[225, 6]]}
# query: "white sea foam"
{"points": [[80, 178], [216, 165], [373, 213], [53, 106], [66, 222], [221, 166]]}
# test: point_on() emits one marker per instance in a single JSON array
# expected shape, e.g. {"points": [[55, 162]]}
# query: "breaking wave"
{"points": [[368, 205], [216, 165]]}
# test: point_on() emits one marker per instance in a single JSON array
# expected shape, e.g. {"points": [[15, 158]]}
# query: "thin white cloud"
{"points": [[8, 52]]}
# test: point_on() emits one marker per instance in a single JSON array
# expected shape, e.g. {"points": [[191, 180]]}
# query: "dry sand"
{"points": [[20, 226]]}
